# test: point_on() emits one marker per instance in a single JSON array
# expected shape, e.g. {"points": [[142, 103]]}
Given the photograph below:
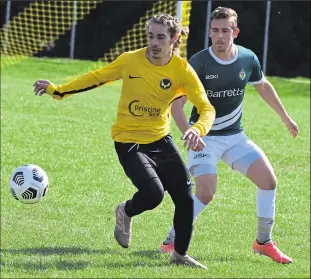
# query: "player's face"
{"points": [[159, 41], [222, 34]]}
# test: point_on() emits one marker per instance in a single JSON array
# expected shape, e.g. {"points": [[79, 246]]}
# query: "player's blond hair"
{"points": [[174, 26], [224, 13]]}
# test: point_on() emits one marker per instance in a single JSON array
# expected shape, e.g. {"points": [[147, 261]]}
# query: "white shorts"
{"points": [[237, 151]]}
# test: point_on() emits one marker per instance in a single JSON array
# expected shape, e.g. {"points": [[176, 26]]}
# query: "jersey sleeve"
{"points": [[257, 76], [195, 92], [90, 80]]}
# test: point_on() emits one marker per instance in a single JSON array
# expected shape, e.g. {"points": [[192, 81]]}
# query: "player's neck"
{"points": [[226, 55], [160, 61]]}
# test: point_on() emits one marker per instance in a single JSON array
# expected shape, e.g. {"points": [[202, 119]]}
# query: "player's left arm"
{"points": [[267, 91]]}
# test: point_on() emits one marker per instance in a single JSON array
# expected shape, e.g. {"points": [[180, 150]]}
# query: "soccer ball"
{"points": [[29, 183]]}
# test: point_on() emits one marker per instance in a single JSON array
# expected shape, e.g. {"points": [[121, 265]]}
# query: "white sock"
{"points": [[198, 207], [265, 203]]}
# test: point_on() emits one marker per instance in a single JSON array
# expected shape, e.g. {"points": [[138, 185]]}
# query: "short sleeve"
{"points": [[257, 76]]}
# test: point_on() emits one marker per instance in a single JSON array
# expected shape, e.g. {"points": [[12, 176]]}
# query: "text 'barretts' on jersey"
{"points": [[146, 96]]}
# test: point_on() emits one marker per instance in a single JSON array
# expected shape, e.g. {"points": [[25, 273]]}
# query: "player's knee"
{"points": [[205, 191], [268, 183], [205, 197], [155, 195], [272, 181]]}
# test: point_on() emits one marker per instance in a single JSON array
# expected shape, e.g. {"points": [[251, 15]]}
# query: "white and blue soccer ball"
{"points": [[29, 183]]}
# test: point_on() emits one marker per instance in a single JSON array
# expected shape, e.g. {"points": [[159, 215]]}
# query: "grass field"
{"points": [[70, 233]]}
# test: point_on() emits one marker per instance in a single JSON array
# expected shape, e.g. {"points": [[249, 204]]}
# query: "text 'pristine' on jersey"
{"points": [[146, 96], [224, 82]]}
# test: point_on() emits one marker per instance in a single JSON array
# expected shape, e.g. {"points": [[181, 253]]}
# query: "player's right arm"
{"points": [[178, 105], [183, 125], [88, 81], [195, 92], [179, 114]]}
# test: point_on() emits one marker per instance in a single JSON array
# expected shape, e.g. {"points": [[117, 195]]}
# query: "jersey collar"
{"points": [[224, 62]]}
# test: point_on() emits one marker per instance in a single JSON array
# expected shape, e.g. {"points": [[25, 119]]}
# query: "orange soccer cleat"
{"points": [[167, 248], [270, 250]]}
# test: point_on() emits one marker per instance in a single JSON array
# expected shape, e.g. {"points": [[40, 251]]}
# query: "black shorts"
{"points": [[161, 159]]}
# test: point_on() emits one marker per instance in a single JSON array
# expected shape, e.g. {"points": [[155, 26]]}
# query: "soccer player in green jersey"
{"points": [[224, 69], [153, 77]]}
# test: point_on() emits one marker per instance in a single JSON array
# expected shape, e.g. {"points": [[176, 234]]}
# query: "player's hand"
{"points": [[40, 86], [193, 140], [291, 125]]}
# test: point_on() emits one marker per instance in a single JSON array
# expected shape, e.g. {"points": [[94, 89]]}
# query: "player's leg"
{"points": [[203, 167], [177, 181], [262, 174], [247, 158], [141, 170]]}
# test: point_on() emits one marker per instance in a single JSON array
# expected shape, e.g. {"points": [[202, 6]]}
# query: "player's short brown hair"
{"points": [[224, 13]]}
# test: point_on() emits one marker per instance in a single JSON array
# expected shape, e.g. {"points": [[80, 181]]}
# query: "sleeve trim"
{"points": [[262, 80], [79, 90]]}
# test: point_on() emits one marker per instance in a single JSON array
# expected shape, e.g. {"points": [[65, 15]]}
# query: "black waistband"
{"points": [[166, 138]]}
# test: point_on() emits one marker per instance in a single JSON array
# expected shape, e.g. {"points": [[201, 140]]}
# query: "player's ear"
{"points": [[175, 38], [209, 32], [236, 32]]}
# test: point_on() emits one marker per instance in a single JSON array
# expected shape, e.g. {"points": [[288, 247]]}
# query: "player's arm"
{"points": [[178, 105], [86, 82], [267, 91], [192, 138], [195, 92], [179, 114], [270, 96]]}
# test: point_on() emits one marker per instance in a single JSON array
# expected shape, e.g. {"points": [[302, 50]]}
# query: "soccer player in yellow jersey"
{"points": [[153, 78]]}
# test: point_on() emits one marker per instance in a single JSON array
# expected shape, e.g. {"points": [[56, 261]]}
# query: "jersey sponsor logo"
{"points": [[225, 93], [131, 77], [202, 155], [139, 110], [165, 83], [242, 74], [211, 76]]}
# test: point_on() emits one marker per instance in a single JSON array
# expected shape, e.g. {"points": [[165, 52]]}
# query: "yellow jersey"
{"points": [[146, 96]]}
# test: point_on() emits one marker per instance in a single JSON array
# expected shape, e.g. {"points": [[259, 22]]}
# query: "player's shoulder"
{"points": [[133, 54], [181, 67], [245, 52], [200, 55], [180, 62]]}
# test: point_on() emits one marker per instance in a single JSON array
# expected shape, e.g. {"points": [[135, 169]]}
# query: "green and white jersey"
{"points": [[224, 82]]}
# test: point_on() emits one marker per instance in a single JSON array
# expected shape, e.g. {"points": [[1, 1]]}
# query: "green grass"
{"points": [[70, 233]]}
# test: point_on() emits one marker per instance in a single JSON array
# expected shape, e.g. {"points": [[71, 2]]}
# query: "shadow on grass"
{"points": [[156, 255], [58, 251], [152, 254], [43, 264]]}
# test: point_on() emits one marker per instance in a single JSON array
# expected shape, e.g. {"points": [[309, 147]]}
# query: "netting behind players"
{"points": [[41, 24], [38, 27]]}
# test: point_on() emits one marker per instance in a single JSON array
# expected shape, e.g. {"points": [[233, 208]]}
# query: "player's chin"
{"points": [[221, 48], [156, 54]]}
